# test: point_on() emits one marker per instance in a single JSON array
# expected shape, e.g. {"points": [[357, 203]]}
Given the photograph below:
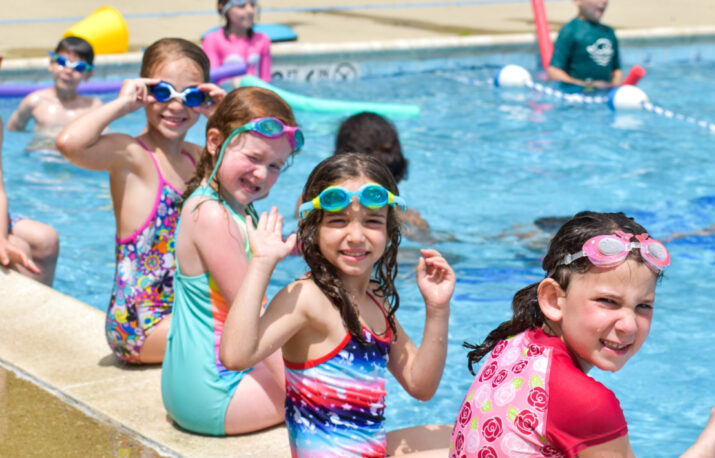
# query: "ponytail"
{"points": [[527, 315]]}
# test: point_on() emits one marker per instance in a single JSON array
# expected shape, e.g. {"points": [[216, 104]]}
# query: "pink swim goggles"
{"points": [[611, 250]]}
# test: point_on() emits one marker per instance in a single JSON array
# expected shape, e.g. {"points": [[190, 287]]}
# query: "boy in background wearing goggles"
{"points": [[55, 107]]}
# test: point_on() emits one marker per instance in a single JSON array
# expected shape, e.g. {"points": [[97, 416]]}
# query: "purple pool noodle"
{"points": [[227, 71], [101, 87]]}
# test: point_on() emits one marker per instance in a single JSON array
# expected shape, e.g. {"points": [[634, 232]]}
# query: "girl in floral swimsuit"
{"points": [[147, 175]]}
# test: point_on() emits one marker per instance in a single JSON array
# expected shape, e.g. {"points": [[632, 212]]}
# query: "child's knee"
{"points": [[49, 246], [43, 240]]}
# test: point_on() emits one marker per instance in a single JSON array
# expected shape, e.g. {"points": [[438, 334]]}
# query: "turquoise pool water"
{"points": [[484, 164]]}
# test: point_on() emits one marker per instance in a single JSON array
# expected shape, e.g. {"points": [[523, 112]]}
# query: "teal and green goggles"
{"points": [[336, 198]]}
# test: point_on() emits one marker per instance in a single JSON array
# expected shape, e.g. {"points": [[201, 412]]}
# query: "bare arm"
{"points": [[617, 448], [22, 115], [557, 74], [419, 370], [704, 446], [616, 77], [82, 142], [247, 336]]}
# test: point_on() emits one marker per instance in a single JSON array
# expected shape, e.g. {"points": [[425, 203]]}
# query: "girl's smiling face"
{"points": [[172, 118], [354, 239], [605, 314], [250, 166], [241, 17]]}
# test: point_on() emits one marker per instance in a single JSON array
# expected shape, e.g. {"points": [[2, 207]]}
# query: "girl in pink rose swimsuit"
{"points": [[532, 395]]}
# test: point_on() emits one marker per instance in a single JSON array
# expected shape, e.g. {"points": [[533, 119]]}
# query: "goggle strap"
{"points": [[220, 154], [569, 258]]}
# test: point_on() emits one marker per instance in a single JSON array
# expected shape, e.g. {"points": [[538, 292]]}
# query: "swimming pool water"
{"points": [[484, 164]]}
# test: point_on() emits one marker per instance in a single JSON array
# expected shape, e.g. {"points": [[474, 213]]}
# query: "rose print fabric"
{"points": [[144, 278], [531, 399]]}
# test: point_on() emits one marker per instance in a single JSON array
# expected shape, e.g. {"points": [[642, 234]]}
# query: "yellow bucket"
{"points": [[104, 29]]}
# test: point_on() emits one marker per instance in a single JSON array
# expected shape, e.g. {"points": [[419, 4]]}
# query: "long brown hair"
{"points": [[568, 240], [236, 109], [331, 170], [172, 48]]}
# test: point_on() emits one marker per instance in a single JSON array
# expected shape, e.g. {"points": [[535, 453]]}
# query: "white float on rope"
{"points": [[512, 76]]}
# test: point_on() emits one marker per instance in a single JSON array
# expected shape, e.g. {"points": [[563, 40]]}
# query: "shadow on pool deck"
{"points": [[58, 342]]}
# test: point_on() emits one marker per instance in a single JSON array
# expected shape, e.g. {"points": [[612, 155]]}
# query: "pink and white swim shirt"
{"points": [[531, 398], [255, 52]]}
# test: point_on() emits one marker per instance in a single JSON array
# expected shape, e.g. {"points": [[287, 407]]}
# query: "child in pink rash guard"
{"points": [[237, 42]]}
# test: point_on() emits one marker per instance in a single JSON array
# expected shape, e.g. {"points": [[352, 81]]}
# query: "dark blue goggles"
{"points": [[76, 65], [191, 96]]}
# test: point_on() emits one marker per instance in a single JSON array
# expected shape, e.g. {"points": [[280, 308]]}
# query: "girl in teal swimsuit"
{"points": [[146, 176], [248, 141]]}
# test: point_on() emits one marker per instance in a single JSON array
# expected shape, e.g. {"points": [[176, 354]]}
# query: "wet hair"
{"points": [[167, 49], [568, 240], [236, 109], [76, 45], [220, 5], [372, 134], [330, 171], [550, 223]]}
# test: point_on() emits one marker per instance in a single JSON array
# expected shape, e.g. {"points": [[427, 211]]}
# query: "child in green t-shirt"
{"points": [[586, 51]]}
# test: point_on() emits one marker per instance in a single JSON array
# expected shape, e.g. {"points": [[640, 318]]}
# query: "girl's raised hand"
{"points": [[136, 92], [267, 239], [217, 93], [435, 278]]}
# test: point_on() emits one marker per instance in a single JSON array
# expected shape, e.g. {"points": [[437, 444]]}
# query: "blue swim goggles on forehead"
{"points": [[233, 3], [191, 96], [336, 198], [268, 127], [77, 65]]}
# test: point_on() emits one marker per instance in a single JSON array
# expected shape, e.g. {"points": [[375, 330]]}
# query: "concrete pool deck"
{"points": [[58, 342]]}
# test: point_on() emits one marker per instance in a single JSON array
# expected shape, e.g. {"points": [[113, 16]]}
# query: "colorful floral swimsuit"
{"points": [[530, 398], [144, 279], [334, 404]]}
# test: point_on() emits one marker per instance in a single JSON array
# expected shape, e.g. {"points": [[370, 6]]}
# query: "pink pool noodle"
{"points": [[637, 72], [546, 47]]}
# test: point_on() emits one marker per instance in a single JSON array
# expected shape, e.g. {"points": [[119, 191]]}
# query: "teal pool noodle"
{"points": [[345, 107]]}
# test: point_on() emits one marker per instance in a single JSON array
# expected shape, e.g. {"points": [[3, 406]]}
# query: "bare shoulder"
{"points": [[307, 297], [193, 149], [205, 211], [94, 102], [34, 98], [127, 156]]}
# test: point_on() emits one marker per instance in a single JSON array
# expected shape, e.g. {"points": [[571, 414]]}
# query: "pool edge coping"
{"points": [[70, 359], [312, 48]]}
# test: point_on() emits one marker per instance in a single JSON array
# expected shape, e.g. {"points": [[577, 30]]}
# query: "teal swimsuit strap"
{"points": [[207, 191]]}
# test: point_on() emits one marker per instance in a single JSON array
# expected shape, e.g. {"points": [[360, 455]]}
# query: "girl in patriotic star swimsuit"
{"points": [[337, 326]]}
